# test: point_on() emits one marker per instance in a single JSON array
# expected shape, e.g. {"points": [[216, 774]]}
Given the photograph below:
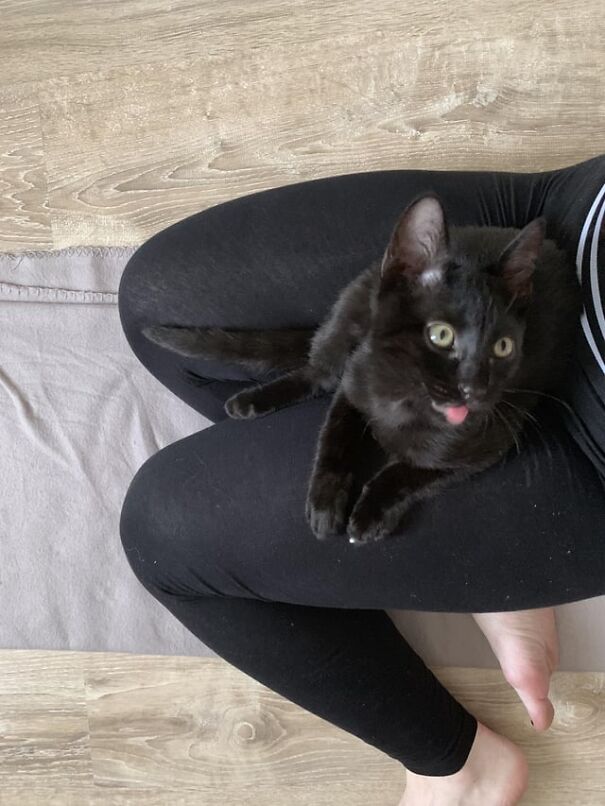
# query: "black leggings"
{"points": [[214, 525]]}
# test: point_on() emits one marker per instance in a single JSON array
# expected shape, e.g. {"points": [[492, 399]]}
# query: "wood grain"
{"points": [[45, 40], [148, 114], [24, 214], [119, 729]]}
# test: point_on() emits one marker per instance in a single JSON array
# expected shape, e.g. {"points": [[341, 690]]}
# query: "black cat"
{"points": [[442, 349]]}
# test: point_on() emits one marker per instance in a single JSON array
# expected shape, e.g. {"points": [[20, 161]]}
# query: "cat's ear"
{"points": [[518, 261], [419, 241]]}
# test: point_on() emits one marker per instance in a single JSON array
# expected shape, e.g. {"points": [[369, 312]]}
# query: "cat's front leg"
{"points": [[329, 492], [327, 503], [387, 497]]}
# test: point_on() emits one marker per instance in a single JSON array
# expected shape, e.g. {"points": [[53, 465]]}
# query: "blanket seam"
{"points": [[36, 293]]}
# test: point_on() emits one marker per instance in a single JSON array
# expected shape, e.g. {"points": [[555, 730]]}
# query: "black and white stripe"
{"points": [[593, 318]]}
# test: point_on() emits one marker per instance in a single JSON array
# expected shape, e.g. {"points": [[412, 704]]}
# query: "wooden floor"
{"points": [[118, 118], [120, 730]]}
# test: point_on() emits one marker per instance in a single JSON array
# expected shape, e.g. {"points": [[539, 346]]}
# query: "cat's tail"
{"points": [[258, 350]]}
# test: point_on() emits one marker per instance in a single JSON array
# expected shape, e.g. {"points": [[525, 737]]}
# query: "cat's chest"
{"points": [[387, 412], [406, 434], [401, 429], [392, 415], [401, 425]]}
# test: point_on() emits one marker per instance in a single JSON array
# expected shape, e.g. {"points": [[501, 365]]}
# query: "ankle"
{"points": [[494, 774]]}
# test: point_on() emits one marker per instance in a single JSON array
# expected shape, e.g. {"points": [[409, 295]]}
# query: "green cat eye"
{"points": [[441, 334], [503, 348]]}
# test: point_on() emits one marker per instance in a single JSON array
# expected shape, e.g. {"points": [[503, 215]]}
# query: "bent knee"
{"points": [[143, 284], [164, 548]]}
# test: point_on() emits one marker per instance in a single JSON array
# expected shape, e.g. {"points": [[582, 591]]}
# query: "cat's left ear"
{"points": [[518, 261]]}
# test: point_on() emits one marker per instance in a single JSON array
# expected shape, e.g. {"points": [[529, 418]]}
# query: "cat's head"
{"points": [[451, 315]]}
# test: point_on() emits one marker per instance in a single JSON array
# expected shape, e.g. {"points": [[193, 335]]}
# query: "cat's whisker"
{"points": [[525, 414], [563, 403], [541, 394], [533, 421], [510, 428], [488, 418], [543, 440], [369, 421]]}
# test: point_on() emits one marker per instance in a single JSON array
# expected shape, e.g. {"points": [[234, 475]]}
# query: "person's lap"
{"points": [[229, 501]]}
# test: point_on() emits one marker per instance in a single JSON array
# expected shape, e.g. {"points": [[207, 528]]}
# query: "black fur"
{"points": [[374, 353]]}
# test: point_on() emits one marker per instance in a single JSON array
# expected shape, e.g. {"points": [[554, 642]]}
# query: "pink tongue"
{"points": [[456, 414]]}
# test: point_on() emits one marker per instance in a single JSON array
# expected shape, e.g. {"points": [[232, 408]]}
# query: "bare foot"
{"points": [[527, 647], [494, 774]]}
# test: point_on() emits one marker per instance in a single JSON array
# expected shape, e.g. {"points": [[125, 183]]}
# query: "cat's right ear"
{"points": [[419, 243]]}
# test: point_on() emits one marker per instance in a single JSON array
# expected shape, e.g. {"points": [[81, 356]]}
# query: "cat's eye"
{"points": [[441, 334], [504, 347]]}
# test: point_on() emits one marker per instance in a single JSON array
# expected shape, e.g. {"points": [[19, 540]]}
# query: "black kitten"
{"points": [[442, 349]]}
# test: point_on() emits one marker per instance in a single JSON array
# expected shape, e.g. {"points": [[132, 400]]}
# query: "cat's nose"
{"points": [[475, 391]]}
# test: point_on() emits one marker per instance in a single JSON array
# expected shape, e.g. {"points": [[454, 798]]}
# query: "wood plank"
{"points": [[132, 148], [44, 736], [24, 215], [166, 729], [329, 795], [149, 116], [43, 40]]}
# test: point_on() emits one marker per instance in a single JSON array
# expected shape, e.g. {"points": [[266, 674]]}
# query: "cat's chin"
{"points": [[455, 415]]}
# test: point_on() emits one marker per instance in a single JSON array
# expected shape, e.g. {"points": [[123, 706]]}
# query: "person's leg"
{"points": [[214, 527], [174, 260], [350, 666]]}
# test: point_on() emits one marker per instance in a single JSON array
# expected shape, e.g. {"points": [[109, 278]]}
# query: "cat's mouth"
{"points": [[454, 414]]}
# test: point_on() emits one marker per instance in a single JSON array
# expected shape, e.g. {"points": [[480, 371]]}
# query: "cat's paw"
{"points": [[362, 531], [327, 504], [244, 406], [370, 522]]}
